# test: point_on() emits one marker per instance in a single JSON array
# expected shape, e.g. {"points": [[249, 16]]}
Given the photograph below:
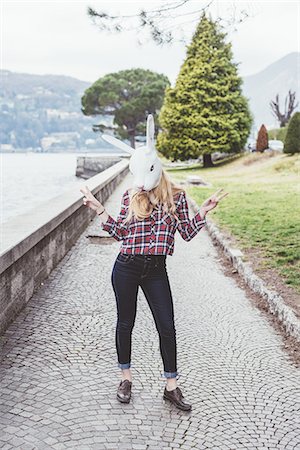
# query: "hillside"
{"points": [[44, 111], [262, 87]]}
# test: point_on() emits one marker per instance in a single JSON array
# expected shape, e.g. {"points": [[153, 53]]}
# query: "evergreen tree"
{"points": [[262, 141], [292, 140], [128, 96], [205, 112]]}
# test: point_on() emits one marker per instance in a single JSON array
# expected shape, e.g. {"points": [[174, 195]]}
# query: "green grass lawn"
{"points": [[262, 209]]}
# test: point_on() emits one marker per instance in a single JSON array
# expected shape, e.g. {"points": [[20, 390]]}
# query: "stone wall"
{"points": [[33, 243], [89, 166]]}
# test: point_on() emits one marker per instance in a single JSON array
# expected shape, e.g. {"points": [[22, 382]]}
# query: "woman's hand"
{"points": [[212, 201], [90, 201]]}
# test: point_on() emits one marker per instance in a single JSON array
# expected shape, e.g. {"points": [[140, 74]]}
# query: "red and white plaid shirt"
{"points": [[155, 234]]}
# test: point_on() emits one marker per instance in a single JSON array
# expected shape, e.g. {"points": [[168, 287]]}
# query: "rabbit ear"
{"points": [[117, 143], [150, 132]]}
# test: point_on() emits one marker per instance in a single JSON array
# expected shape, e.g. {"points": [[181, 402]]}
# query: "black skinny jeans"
{"points": [[148, 271]]}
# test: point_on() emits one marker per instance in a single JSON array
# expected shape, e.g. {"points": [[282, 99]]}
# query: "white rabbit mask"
{"points": [[144, 163]]}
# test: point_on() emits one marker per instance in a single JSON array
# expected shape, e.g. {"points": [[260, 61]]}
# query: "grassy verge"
{"points": [[262, 210]]}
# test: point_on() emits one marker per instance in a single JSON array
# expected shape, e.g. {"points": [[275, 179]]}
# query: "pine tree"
{"points": [[205, 112], [262, 141], [292, 140]]}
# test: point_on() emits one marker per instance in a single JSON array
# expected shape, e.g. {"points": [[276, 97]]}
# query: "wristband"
{"points": [[99, 214]]}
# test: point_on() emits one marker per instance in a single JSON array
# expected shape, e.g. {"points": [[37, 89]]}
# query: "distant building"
{"points": [[6, 148], [47, 141], [61, 139], [59, 114]]}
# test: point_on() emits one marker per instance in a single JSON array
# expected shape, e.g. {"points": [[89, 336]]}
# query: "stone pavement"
{"points": [[59, 371]]}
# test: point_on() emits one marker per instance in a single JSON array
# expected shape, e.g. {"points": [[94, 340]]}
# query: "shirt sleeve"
{"points": [[188, 228], [115, 227]]}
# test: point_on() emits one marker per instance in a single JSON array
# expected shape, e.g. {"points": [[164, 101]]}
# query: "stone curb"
{"points": [[274, 301]]}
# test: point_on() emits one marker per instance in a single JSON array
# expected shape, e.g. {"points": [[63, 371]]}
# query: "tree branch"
{"points": [[159, 22]]}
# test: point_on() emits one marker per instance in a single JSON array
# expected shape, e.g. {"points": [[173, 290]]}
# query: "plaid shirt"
{"points": [[155, 234]]}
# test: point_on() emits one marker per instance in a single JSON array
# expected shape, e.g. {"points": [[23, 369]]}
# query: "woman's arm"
{"points": [[116, 228], [188, 228]]}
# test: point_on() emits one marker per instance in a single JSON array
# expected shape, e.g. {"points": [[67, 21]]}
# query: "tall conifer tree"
{"points": [[206, 111]]}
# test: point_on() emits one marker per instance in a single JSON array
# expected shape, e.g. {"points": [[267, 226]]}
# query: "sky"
{"points": [[58, 37]]}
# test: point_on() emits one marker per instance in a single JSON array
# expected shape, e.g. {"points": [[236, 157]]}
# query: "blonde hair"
{"points": [[142, 203]]}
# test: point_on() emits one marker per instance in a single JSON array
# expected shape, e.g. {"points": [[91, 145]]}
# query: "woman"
{"points": [[146, 225]]}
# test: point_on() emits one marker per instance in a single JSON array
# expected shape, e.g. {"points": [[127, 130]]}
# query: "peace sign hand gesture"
{"points": [[89, 200], [212, 201]]}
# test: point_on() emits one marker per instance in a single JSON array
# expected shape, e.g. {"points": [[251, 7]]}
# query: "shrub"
{"points": [[262, 139], [292, 140]]}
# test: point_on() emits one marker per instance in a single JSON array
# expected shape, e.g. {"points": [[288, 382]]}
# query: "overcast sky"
{"points": [[50, 37]]}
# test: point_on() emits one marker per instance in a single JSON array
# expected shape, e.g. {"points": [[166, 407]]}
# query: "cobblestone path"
{"points": [[59, 371]]}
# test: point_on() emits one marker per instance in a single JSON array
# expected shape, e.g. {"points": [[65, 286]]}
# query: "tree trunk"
{"points": [[207, 161], [132, 139]]}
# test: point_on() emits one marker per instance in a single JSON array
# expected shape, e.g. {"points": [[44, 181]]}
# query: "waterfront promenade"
{"points": [[59, 374]]}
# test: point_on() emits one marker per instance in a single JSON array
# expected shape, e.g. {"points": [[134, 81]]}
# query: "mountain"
{"points": [[44, 112], [262, 87], [27, 84]]}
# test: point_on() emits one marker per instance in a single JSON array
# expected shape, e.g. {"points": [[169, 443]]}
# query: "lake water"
{"points": [[28, 179]]}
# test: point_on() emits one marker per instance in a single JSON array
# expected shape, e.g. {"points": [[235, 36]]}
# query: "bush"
{"points": [[292, 140], [262, 142]]}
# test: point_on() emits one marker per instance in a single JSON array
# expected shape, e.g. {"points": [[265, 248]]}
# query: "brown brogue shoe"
{"points": [[124, 391], [176, 397]]}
